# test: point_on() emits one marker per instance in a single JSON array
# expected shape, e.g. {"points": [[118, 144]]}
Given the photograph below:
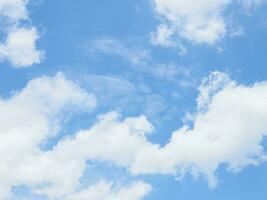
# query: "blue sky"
{"points": [[145, 99]]}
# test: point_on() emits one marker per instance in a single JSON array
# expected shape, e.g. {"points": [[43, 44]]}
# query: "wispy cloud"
{"points": [[141, 60], [135, 55]]}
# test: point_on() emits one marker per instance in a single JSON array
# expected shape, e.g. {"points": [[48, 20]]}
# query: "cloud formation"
{"points": [[228, 129], [20, 47], [197, 21], [28, 118], [19, 44], [14, 9], [34, 115]]}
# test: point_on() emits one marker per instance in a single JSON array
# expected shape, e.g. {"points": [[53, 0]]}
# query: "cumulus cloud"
{"points": [[28, 118], [197, 21], [104, 141], [19, 45], [20, 48], [228, 129], [34, 115]]}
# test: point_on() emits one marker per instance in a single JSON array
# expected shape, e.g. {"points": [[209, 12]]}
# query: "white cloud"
{"points": [[19, 46], [228, 129], [14, 9], [28, 118], [210, 86], [104, 141], [34, 115], [198, 21], [104, 191]]}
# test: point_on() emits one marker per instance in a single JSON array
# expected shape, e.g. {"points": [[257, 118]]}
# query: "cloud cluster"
{"points": [[109, 140], [28, 118], [228, 129], [19, 44], [34, 115], [197, 21]]}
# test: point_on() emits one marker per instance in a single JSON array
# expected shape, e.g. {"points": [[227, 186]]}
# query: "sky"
{"points": [[133, 100]]}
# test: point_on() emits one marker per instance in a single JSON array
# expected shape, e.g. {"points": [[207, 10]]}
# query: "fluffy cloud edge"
{"points": [[105, 190], [19, 47], [221, 134], [228, 128], [31, 116], [198, 22]]}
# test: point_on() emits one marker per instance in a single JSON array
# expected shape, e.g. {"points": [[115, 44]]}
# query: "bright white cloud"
{"points": [[104, 142], [28, 118], [19, 47], [34, 115], [228, 129], [163, 36], [106, 139], [104, 191], [198, 21]]}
